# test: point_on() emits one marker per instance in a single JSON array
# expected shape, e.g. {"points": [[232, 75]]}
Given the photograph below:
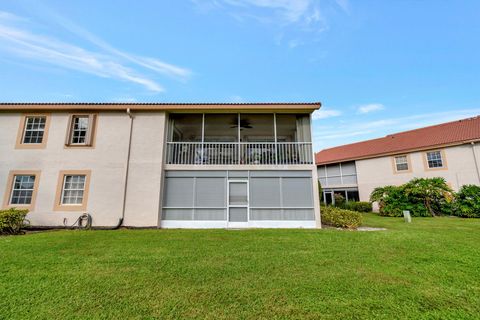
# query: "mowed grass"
{"points": [[429, 269]]}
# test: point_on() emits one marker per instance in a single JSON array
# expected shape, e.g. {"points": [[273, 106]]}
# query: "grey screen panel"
{"points": [[323, 181], [210, 214], [298, 214], [282, 214], [280, 173], [237, 174], [348, 168], [321, 171], [238, 215], [177, 214], [334, 180], [349, 179], [266, 214], [297, 192], [187, 173], [333, 170], [210, 192], [265, 192], [178, 192], [238, 193]]}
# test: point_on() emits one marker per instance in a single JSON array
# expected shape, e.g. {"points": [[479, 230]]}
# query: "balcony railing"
{"points": [[243, 153]]}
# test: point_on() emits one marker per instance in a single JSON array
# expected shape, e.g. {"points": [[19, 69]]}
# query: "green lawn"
{"points": [[429, 269]]}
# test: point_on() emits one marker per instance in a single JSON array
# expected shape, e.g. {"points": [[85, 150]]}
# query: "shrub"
{"points": [[360, 206], [433, 193], [467, 202], [391, 200], [320, 192], [423, 197], [339, 200], [341, 218], [12, 221]]}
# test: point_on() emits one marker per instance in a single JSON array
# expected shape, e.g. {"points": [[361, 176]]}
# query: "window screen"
{"points": [[238, 193], [265, 192], [210, 192], [179, 192], [297, 192]]}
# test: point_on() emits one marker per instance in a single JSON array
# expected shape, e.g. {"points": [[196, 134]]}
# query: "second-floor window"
{"points": [[434, 159], [81, 130], [401, 163], [34, 129]]}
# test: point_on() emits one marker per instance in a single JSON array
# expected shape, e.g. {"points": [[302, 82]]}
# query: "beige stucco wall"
{"points": [[106, 161], [145, 172], [461, 170]]}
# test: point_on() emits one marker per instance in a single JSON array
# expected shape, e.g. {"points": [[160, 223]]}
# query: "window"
{"points": [[72, 190], [434, 159], [22, 189], [33, 130], [81, 130], [401, 163]]}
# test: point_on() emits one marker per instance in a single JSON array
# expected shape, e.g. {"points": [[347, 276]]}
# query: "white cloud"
{"points": [[108, 62], [367, 108], [298, 16], [325, 113]]}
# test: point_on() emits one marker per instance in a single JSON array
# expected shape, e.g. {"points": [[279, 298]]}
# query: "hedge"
{"points": [[467, 202], [341, 218], [12, 221], [360, 206]]}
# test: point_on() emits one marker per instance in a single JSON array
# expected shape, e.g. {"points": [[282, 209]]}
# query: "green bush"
{"points": [[467, 204], [423, 197], [360, 206], [339, 200], [341, 218], [12, 221]]}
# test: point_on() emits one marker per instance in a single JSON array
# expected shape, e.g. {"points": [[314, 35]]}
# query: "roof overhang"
{"points": [[265, 106]]}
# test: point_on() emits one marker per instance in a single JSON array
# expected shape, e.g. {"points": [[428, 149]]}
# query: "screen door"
{"points": [[237, 203]]}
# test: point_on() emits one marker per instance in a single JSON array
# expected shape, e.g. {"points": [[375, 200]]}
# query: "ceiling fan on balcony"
{"points": [[244, 124]]}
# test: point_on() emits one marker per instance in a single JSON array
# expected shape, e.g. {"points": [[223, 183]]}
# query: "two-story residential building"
{"points": [[449, 150], [160, 164]]}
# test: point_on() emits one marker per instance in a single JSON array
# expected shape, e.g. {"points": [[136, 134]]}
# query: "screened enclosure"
{"points": [[239, 139], [238, 196]]}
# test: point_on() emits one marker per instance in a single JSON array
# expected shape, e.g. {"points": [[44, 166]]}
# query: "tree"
{"points": [[434, 193]]}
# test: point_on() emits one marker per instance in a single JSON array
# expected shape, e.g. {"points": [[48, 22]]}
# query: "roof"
{"points": [[445, 134], [13, 106]]}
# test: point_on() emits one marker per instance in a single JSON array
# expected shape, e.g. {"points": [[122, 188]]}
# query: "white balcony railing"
{"points": [[243, 153]]}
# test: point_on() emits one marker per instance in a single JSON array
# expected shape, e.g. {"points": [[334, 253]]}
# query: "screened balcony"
{"points": [[239, 139]]}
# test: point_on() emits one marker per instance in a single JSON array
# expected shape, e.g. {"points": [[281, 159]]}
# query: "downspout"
{"points": [[475, 160], [127, 167]]}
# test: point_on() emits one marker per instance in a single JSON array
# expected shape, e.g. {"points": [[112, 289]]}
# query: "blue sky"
{"points": [[378, 67]]}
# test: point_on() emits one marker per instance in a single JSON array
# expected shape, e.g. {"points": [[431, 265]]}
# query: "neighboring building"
{"points": [[160, 165], [450, 150]]}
